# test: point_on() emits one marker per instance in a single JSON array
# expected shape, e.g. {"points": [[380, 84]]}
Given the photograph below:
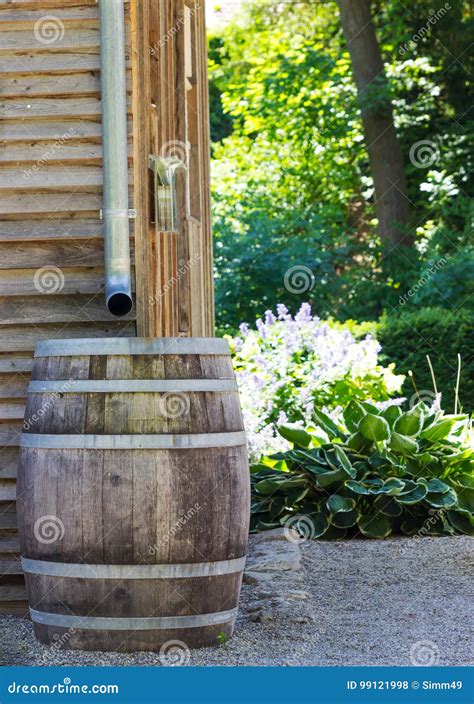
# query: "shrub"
{"points": [[288, 365], [383, 472], [406, 339]]}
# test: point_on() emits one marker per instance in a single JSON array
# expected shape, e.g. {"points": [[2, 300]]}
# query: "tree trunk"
{"points": [[392, 206]]}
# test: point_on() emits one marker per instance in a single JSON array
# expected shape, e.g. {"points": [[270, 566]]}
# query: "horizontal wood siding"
{"points": [[51, 235]]}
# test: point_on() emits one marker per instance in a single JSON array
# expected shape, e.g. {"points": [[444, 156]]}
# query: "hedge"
{"points": [[407, 338]]}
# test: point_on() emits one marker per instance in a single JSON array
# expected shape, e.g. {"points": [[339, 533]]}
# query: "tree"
{"points": [[392, 205]]}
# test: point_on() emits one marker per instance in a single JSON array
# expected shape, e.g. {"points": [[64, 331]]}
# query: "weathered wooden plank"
{"points": [[84, 84], [7, 494], [12, 411], [10, 566], [8, 466], [39, 230], [48, 178], [21, 282], [57, 130], [53, 130], [24, 337], [42, 309], [23, 205], [12, 593], [49, 63], [13, 385], [65, 254], [15, 363], [9, 437], [8, 521], [9, 545], [25, 155], [73, 109], [83, 40], [15, 20]]}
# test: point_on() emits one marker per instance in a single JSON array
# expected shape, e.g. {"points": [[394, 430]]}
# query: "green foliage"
{"points": [[384, 472], [292, 182], [408, 336]]}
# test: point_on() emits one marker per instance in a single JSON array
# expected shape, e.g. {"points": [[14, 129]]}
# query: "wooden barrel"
{"points": [[133, 494]]}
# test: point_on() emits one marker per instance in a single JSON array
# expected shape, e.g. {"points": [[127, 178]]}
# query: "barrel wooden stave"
{"points": [[122, 507]]}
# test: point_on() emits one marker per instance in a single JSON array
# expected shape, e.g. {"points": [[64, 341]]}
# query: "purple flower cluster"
{"points": [[288, 365]]}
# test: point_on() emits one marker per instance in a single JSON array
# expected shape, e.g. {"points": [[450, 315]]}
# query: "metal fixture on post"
{"points": [[165, 170], [115, 213]]}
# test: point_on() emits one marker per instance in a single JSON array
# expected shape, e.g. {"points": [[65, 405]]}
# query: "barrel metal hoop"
{"points": [[113, 346], [149, 623], [111, 386], [123, 572], [132, 442]]}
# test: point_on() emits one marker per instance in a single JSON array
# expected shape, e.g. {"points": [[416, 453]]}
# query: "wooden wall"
{"points": [[51, 235]]}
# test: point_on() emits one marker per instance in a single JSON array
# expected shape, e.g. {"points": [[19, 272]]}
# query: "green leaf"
{"points": [[357, 488], [337, 503], [443, 428], [412, 497], [319, 524], [344, 461], [446, 500], [345, 519], [466, 500], [358, 443], [461, 522], [335, 533], [295, 434], [353, 414], [410, 423], [465, 480], [403, 444], [391, 414], [327, 424], [374, 428], [326, 479], [377, 526], [386, 505], [437, 486]]}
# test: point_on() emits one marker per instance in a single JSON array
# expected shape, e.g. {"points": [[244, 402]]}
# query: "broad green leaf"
{"points": [[335, 533], [446, 500], [357, 488], [437, 486], [357, 442], [391, 414], [386, 505], [412, 497], [409, 423], [374, 428], [377, 526], [329, 478], [466, 500], [353, 414], [319, 524], [465, 480], [411, 525], [462, 522], [443, 428], [345, 519], [403, 444], [327, 424], [337, 503], [295, 434], [344, 461]]}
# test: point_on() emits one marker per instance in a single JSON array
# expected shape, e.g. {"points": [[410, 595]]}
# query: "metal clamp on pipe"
{"points": [[118, 280]]}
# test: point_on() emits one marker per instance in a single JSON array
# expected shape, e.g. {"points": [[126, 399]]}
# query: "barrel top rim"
{"points": [[114, 346]]}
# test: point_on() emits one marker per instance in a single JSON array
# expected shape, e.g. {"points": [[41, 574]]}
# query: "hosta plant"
{"points": [[381, 473]]}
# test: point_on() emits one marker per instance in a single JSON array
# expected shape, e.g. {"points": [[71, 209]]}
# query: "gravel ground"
{"points": [[396, 602]]}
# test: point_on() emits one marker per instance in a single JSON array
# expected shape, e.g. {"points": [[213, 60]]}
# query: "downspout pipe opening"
{"points": [[119, 303]]}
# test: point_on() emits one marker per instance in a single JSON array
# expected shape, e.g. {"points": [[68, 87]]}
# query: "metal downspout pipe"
{"points": [[115, 212]]}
